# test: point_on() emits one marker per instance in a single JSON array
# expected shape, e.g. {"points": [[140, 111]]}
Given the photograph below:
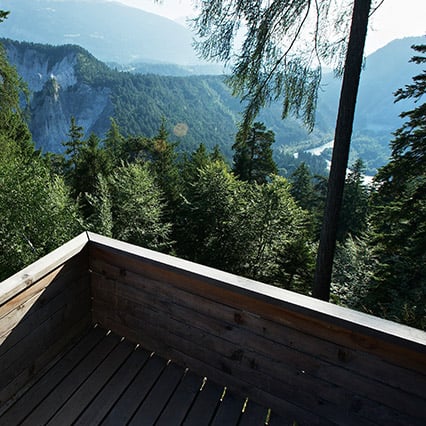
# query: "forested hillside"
{"points": [[157, 161], [242, 218], [67, 81]]}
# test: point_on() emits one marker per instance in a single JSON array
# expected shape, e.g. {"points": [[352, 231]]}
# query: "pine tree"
{"points": [[36, 210], [12, 123], [399, 215], [162, 157], [354, 214], [137, 208], [192, 164], [75, 142], [253, 160], [114, 144], [342, 140], [302, 188], [93, 160], [272, 64]]}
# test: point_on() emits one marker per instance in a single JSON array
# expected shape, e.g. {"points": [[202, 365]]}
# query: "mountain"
{"points": [[376, 115], [68, 81], [385, 71], [111, 31]]}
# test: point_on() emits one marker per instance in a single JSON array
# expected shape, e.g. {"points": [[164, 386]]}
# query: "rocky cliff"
{"points": [[58, 92]]}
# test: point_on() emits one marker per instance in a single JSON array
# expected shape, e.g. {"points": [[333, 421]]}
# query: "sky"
{"points": [[394, 19]]}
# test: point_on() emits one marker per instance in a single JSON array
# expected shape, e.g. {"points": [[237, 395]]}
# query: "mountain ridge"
{"points": [[68, 81]]}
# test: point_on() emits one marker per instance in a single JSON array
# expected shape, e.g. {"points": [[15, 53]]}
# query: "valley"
{"points": [[141, 79]]}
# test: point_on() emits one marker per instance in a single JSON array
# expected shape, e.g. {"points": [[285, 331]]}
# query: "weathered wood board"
{"points": [[310, 361]]}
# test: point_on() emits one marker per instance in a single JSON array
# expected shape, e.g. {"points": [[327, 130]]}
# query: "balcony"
{"points": [[103, 332]]}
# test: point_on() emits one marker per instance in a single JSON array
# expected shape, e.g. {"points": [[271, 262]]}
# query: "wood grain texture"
{"points": [[322, 363], [309, 361], [37, 270], [103, 379], [143, 258], [48, 381], [330, 361], [111, 392], [136, 392], [205, 405], [182, 400], [50, 405], [44, 317]]}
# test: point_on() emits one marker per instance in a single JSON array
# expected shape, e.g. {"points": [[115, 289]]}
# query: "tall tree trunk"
{"points": [[342, 139]]}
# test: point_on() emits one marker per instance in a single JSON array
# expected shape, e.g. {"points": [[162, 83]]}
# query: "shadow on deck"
{"points": [[176, 330], [104, 379]]}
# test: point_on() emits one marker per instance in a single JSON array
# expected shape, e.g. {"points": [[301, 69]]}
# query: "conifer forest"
{"points": [[236, 211]]}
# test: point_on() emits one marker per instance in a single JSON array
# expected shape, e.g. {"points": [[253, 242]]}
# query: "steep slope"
{"points": [[111, 31], [67, 81], [58, 91], [385, 71]]}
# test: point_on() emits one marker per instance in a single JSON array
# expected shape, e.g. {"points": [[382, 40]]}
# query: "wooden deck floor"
{"points": [[106, 380]]}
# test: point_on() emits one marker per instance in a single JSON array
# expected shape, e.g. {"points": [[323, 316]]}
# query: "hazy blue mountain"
{"points": [[385, 71], [376, 115], [111, 31]]}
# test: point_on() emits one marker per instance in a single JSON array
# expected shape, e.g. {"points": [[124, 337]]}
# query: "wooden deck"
{"points": [[310, 362], [105, 379]]}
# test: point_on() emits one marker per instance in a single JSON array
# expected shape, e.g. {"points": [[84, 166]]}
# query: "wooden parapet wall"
{"points": [[313, 362], [43, 309]]}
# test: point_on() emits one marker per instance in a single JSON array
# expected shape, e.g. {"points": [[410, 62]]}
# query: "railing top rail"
{"points": [[304, 305], [37, 270]]}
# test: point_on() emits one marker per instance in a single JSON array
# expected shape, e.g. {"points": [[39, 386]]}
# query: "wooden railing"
{"points": [[43, 309], [313, 362]]}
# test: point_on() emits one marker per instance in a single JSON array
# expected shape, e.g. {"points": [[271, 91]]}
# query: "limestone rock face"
{"points": [[57, 93], [53, 107], [36, 69]]}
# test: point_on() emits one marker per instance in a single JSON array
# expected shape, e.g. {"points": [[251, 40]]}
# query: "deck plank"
{"points": [[54, 401], [40, 337], [153, 406], [93, 385], [50, 380], [181, 401], [204, 407], [104, 379], [253, 415], [277, 420], [138, 390], [229, 411], [106, 399]]}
